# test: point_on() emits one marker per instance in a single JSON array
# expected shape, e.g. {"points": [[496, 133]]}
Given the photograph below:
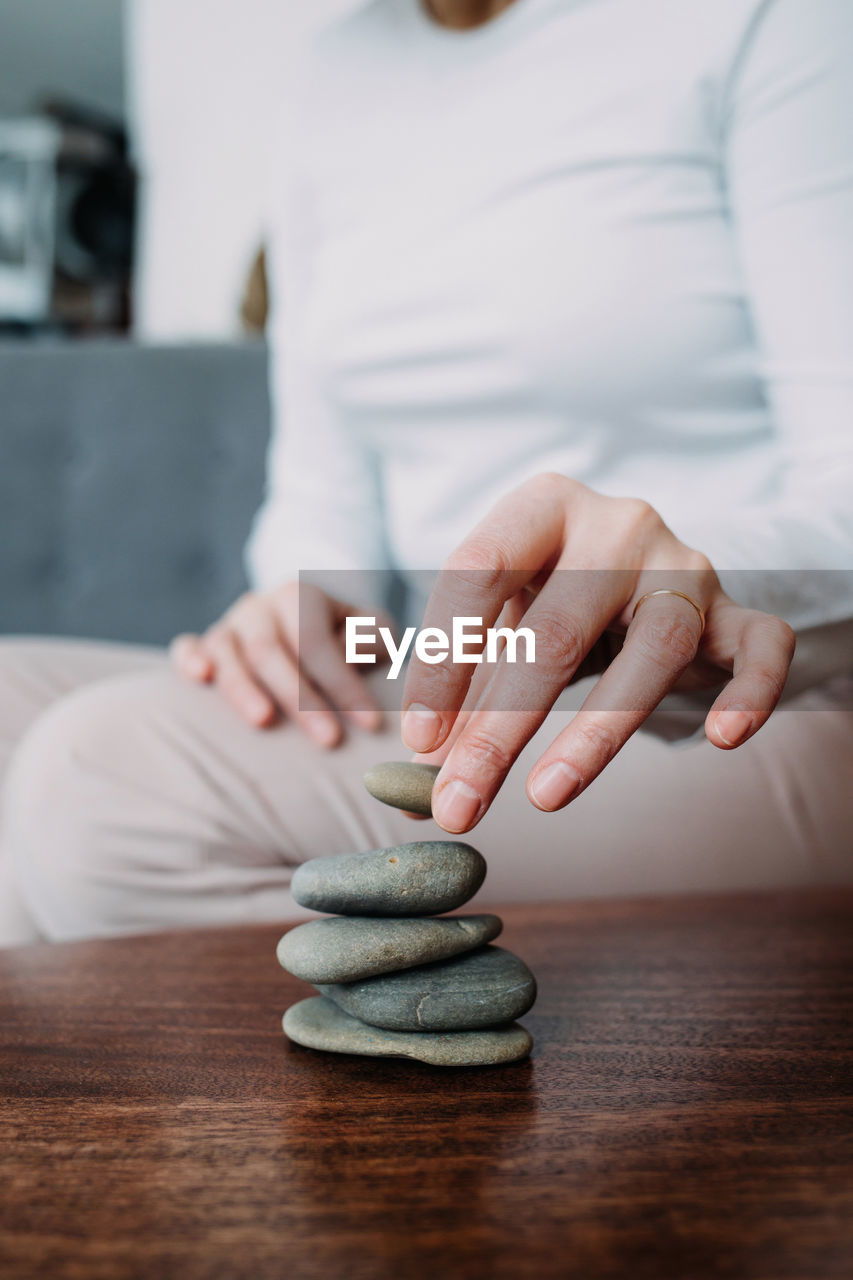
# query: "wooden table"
{"points": [[687, 1111]]}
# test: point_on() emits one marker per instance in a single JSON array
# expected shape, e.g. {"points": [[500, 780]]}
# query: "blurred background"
{"points": [[136, 142]]}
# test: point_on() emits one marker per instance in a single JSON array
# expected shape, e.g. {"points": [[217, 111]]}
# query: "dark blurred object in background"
{"points": [[67, 208], [256, 300]]}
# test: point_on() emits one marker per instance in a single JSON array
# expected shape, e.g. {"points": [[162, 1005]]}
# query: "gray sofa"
{"points": [[128, 481]]}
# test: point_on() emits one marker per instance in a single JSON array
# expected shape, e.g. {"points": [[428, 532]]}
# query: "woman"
{"points": [[568, 306]]}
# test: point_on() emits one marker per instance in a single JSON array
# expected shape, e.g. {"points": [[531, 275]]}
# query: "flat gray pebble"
{"points": [[481, 989], [404, 784], [350, 947], [319, 1024], [423, 878]]}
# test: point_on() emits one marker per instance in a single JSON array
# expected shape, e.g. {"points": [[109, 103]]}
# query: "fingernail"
{"points": [[367, 718], [732, 726], [556, 784], [421, 727], [258, 709], [324, 730], [456, 806]]}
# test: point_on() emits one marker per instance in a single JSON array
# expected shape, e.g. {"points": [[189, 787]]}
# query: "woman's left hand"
{"points": [[513, 566]]}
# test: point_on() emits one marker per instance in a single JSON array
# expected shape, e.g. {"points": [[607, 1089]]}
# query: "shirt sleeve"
{"points": [[322, 508], [788, 153]]}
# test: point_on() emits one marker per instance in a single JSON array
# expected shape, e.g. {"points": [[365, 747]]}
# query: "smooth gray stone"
{"points": [[481, 989], [403, 784], [350, 947], [319, 1024], [419, 879]]}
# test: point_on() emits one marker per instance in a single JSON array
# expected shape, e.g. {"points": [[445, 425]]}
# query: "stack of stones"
{"points": [[395, 978]]}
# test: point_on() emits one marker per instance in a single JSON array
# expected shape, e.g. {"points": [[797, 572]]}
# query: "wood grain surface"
{"points": [[688, 1111]]}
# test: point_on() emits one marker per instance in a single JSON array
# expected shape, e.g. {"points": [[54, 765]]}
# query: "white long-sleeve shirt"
{"points": [[610, 238]]}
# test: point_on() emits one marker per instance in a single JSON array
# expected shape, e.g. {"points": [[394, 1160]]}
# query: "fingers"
{"points": [[566, 618], [662, 641], [191, 659], [265, 657], [251, 656], [756, 646], [308, 620], [235, 680], [526, 528], [762, 658], [474, 698]]}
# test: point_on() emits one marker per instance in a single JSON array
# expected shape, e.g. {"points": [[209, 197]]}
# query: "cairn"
{"points": [[395, 977]]}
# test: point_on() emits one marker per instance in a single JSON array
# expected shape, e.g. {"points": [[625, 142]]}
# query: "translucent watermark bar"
{"points": [[515, 639]]}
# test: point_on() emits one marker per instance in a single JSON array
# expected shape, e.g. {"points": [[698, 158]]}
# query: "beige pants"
{"points": [[133, 800]]}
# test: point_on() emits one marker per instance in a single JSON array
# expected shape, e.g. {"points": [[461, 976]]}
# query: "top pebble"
{"points": [[403, 784]]}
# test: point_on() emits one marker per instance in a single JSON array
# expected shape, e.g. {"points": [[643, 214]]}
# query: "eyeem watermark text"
{"points": [[468, 642]]}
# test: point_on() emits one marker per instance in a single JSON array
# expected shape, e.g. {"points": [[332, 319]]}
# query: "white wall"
{"points": [[199, 79], [205, 77], [67, 47]]}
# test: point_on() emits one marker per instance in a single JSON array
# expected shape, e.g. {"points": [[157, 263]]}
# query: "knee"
{"points": [[11, 654], [62, 808], [21, 696]]}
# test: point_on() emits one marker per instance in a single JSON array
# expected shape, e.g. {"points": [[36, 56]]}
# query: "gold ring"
{"points": [[670, 591]]}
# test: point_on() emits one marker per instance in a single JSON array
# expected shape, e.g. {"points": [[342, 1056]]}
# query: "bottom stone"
{"points": [[318, 1023]]}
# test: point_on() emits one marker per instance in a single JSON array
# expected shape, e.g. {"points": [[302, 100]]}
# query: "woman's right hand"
{"points": [[251, 656]]}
